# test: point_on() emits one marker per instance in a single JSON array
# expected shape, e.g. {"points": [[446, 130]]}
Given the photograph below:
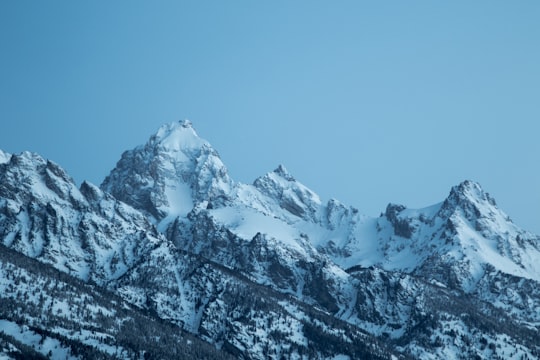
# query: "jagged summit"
{"points": [[470, 190], [284, 173], [470, 201], [291, 195], [467, 199], [27, 157], [172, 126], [177, 136]]}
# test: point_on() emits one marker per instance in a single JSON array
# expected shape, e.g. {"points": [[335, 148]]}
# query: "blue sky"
{"points": [[367, 102]]}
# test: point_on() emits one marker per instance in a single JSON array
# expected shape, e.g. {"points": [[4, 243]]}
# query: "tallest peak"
{"points": [[178, 135], [176, 126], [186, 123]]}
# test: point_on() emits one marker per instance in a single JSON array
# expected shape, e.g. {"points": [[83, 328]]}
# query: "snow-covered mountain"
{"points": [[269, 270]]}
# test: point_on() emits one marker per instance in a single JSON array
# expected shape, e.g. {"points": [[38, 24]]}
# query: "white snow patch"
{"points": [[179, 136], [246, 223], [340, 357], [4, 157], [180, 203], [43, 345]]}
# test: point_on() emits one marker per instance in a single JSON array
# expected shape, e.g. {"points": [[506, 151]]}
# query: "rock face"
{"points": [[268, 270]]}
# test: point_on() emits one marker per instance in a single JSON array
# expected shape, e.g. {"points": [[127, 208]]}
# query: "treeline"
{"points": [[57, 306]]}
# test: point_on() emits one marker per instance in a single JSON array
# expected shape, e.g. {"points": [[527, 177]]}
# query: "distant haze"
{"points": [[366, 102]]}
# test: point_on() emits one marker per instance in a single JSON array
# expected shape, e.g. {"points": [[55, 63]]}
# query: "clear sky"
{"points": [[368, 102]]}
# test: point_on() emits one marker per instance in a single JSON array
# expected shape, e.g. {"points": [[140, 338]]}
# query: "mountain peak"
{"points": [[26, 160], [185, 123], [175, 125], [177, 136], [290, 194], [469, 187], [470, 191], [284, 173], [472, 203]]}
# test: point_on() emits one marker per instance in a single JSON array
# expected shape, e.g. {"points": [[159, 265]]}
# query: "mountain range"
{"points": [[171, 258]]}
